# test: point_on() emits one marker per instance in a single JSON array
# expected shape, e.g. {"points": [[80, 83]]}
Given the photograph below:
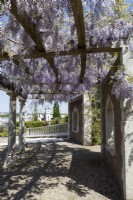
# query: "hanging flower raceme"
{"points": [[55, 30], [123, 84]]}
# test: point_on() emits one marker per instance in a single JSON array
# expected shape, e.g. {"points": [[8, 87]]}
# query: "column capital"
{"points": [[11, 94], [21, 99]]}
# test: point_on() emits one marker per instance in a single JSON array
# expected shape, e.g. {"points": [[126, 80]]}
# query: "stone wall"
{"points": [[80, 105], [113, 160], [127, 130], [127, 148], [76, 104], [121, 161]]}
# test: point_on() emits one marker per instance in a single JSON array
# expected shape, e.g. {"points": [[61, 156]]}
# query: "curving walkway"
{"points": [[57, 171]]}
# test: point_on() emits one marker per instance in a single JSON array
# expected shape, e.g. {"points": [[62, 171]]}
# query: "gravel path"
{"points": [[57, 171]]}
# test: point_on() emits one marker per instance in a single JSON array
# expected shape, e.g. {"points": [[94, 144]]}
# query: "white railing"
{"points": [[59, 130]]}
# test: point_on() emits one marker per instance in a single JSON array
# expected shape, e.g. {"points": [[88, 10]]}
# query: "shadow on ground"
{"points": [[44, 170]]}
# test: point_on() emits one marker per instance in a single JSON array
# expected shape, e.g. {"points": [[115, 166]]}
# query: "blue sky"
{"points": [[4, 105], [4, 102]]}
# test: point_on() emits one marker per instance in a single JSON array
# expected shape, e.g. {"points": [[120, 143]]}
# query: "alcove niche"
{"points": [[75, 120], [110, 132]]}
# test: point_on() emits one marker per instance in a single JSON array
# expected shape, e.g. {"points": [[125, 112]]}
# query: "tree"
{"points": [[35, 111], [56, 110]]}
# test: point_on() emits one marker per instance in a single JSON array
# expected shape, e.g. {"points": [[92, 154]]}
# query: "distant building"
{"points": [[40, 116], [48, 114], [29, 117]]}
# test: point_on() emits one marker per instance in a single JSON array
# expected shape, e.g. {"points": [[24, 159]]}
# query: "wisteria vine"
{"points": [[105, 22]]}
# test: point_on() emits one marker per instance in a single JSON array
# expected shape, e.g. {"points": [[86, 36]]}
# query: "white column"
{"points": [[21, 124], [12, 123], [11, 128]]}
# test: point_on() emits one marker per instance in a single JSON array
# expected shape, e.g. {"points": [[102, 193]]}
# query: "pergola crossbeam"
{"points": [[41, 54], [31, 30], [27, 24]]}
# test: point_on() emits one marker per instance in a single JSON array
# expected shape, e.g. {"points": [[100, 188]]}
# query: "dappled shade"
{"points": [[71, 170]]}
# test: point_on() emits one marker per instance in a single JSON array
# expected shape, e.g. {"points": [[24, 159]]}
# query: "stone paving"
{"points": [[57, 171], [4, 140]]}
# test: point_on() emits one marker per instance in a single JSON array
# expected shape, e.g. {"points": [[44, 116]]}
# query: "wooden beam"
{"points": [[55, 70], [42, 96], [31, 30], [112, 71], [83, 67], [27, 24], [52, 92], [77, 9], [78, 14], [118, 60], [43, 54]]}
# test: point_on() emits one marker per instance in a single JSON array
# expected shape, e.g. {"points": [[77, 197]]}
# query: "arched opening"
{"points": [[110, 137], [75, 120]]}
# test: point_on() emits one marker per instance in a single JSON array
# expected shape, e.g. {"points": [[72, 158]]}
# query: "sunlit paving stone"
{"points": [[61, 171]]}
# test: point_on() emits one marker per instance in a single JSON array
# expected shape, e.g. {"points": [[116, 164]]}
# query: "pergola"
{"points": [[38, 50], [74, 11]]}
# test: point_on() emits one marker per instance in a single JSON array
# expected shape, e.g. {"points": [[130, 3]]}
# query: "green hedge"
{"points": [[4, 131], [17, 124], [96, 121], [4, 134], [32, 124], [59, 120], [55, 120]]}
